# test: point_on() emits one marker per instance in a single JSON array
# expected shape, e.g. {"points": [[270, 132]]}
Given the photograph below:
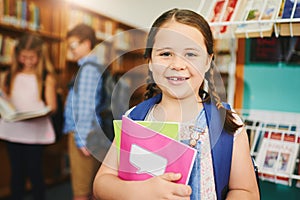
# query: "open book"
{"points": [[9, 113], [145, 153]]}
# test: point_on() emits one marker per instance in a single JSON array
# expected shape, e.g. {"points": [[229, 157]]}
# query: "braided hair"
{"points": [[193, 19]]}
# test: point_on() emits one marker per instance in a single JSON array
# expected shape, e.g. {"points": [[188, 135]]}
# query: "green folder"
{"points": [[170, 129]]}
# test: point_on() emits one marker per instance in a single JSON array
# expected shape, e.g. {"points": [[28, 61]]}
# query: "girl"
{"points": [[180, 56], [29, 85]]}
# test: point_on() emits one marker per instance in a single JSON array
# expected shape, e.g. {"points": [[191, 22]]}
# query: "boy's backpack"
{"points": [[57, 118], [113, 96]]}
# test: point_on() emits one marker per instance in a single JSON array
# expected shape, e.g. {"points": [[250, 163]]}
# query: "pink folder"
{"points": [[146, 153]]}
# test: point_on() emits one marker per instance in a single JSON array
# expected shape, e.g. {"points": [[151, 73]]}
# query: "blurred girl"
{"points": [[30, 85]]}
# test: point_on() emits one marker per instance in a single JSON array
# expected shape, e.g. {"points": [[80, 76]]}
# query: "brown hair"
{"points": [[44, 65], [195, 20], [84, 32]]}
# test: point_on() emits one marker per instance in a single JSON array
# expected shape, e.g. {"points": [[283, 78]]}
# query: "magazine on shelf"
{"points": [[9, 113], [145, 153], [277, 155], [290, 10], [254, 15], [298, 171], [217, 11]]}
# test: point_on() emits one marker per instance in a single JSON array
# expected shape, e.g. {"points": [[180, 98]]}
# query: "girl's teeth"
{"points": [[177, 79]]}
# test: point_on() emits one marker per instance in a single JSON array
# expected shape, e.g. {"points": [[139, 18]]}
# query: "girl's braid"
{"points": [[151, 89], [229, 122], [211, 84]]}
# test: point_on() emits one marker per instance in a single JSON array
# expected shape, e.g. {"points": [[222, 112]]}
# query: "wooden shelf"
{"points": [[16, 31]]}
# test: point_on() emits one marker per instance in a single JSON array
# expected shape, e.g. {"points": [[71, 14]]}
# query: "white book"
{"points": [[9, 113]]}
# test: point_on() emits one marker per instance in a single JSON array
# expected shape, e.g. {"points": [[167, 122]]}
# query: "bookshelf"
{"points": [[283, 27], [120, 48], [276, 133], [252, 18]]}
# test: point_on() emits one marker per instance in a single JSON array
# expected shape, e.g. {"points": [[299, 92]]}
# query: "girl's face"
{"points": [[29, 59], [179, 60]]}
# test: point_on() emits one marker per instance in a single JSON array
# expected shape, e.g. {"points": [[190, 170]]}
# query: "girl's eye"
{"points": [[166, 54], [190, 54]]}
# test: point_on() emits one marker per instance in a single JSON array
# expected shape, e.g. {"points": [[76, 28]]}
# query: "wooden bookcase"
{"points": [[120, 48]]}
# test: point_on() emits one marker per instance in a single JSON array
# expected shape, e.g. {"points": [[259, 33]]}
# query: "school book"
{"points": [[170, 129], [9, 113], [277, 155], [145, 153]]}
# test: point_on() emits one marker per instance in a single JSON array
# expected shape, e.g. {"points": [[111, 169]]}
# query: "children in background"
{"points": [[24, 87], [180, 57], [80, 118]]}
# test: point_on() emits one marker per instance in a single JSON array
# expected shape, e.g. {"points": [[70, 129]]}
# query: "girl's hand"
{"points": [[163, 187]]}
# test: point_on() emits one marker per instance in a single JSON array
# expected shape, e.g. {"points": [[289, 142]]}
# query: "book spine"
{"points": [[24, 14]]}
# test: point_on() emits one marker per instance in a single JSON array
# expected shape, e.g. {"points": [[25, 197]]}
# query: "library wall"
{"points": [[271, 75], [271, 88]]}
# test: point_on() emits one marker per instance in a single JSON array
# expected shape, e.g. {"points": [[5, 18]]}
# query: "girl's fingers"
{"points": [[179, 189]]}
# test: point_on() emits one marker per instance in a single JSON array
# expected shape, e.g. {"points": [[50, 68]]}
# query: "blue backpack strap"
{"points": [[221, 144], [141, 110]]}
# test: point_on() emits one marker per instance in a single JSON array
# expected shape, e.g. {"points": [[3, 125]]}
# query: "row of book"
{"points": [[6, 48], [20, 13], [103, 27], [252, 18], [275, 145]]}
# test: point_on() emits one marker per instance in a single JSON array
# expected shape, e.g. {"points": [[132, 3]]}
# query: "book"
{"points": [[257, 17], [145, 153], [291, 10], [169, 129], [277, 155], [9, 113], [222, 11]]}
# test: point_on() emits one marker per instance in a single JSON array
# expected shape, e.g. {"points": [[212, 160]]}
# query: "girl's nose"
{"points": [[177, 63]]}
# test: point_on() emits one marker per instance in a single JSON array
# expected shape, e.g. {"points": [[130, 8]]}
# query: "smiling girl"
{"points": [[180, 57]]}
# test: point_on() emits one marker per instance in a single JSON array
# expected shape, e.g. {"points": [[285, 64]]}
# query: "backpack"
{"points": [[221, 156], [113, 94], [56, 118]]}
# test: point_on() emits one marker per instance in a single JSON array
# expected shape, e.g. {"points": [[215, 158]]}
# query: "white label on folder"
{"points": [[147, 161]]}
